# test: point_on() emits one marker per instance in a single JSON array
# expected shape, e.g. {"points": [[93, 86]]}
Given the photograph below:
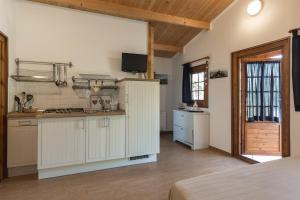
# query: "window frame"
{"points": [[199, 69]]}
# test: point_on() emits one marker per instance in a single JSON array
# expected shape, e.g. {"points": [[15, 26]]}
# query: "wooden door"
{"points": [[3, 104], [262, 138], [143, 118], [96, 139], [61, 142], [116, 137], [258, 137], [237, 106]]}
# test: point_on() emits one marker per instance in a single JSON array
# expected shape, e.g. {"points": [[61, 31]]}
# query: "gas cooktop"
{"points": [[64, 110]]}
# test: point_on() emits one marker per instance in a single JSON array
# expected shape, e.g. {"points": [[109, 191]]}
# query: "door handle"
{"points": [[81, 124], [108, 122], [24, 123], [102, 123]]}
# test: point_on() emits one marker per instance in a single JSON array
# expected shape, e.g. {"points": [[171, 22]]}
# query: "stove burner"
{"points": [[64, 110]]}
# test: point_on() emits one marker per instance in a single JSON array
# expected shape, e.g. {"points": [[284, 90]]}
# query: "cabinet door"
{"points": [[116, 137], [143, 118], [22, 146], [96, 139], [61, 142], [188, 128], [178, 133]]}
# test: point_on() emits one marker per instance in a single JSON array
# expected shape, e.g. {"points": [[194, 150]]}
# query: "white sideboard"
{"points": [[191, 128]]}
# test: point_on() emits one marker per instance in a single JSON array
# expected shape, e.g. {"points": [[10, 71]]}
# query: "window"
{"points": [[263, 91], [199, 79]]}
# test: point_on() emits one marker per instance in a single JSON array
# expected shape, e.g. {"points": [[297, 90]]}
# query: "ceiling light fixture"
{"points": [[254, 7]]}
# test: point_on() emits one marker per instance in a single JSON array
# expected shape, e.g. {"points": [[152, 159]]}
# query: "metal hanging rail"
{"points": [[205, 58], [37, 78], [18, 61]]}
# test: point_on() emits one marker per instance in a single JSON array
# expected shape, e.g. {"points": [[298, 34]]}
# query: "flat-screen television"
{"points": [[136, 63]]}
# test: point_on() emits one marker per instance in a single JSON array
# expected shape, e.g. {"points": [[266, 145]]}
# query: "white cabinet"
{"points": [[61, 142], [140, 99], [105, 139], [191, 128], [22, 142], [116, 137], [96, 139]]}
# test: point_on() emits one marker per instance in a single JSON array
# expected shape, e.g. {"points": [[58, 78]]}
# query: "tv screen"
{"points": [[134, 63]]}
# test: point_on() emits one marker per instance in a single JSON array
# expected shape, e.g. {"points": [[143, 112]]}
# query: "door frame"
{"points": [[236, 104], [3, 104]]}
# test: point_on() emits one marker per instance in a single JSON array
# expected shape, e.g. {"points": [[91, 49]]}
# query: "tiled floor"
{"points": [[142, 182]]}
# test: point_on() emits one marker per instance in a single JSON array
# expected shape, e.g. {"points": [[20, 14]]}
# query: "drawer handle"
{"points": [[81, 124], [24, 123]]}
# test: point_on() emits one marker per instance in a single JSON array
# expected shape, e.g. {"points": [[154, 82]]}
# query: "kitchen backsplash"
{"points": [[47, 95]]}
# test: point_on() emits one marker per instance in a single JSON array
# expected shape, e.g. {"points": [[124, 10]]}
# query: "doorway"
{"points": [[3, 102], [261, 102]]}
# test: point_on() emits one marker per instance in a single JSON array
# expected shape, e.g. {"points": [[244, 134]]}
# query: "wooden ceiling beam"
{"points": [[168, 48], [115, 9], [150, 67]]}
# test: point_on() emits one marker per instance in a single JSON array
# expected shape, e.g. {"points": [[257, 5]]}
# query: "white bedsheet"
{"points": [[277, 180]]}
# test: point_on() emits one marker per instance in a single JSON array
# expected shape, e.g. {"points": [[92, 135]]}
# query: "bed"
{"points": [[277, 180]]}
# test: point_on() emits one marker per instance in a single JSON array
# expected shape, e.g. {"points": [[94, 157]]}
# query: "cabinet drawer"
{"points": [[178, 132], [22, 122], [179, 118]]}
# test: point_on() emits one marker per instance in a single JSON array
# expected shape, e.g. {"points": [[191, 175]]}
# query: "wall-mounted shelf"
{"points": [[38, 76], [94, 81], [44, 79]]}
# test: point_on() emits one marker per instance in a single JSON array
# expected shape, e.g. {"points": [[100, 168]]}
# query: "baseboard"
{"points": [[89, 167], [24, 170], [220, 150]]}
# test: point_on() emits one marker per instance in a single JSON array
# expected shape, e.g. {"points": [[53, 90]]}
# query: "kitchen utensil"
{"points": [[107, 105], [18, 104], [65, 83], [94, 102], [29, 98]]}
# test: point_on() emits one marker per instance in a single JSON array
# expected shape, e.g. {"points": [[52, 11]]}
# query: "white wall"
{"points": [[7, 26], [93, 42], [164, 66], [234, 30]]}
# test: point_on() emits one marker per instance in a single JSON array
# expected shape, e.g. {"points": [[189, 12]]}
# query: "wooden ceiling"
{"points": [[176, 22]]}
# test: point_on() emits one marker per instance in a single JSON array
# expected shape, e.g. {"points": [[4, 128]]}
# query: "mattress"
{"points": [[277, 180]]}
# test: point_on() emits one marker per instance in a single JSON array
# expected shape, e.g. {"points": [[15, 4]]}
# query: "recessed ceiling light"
{"points": [[254, 7]]}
